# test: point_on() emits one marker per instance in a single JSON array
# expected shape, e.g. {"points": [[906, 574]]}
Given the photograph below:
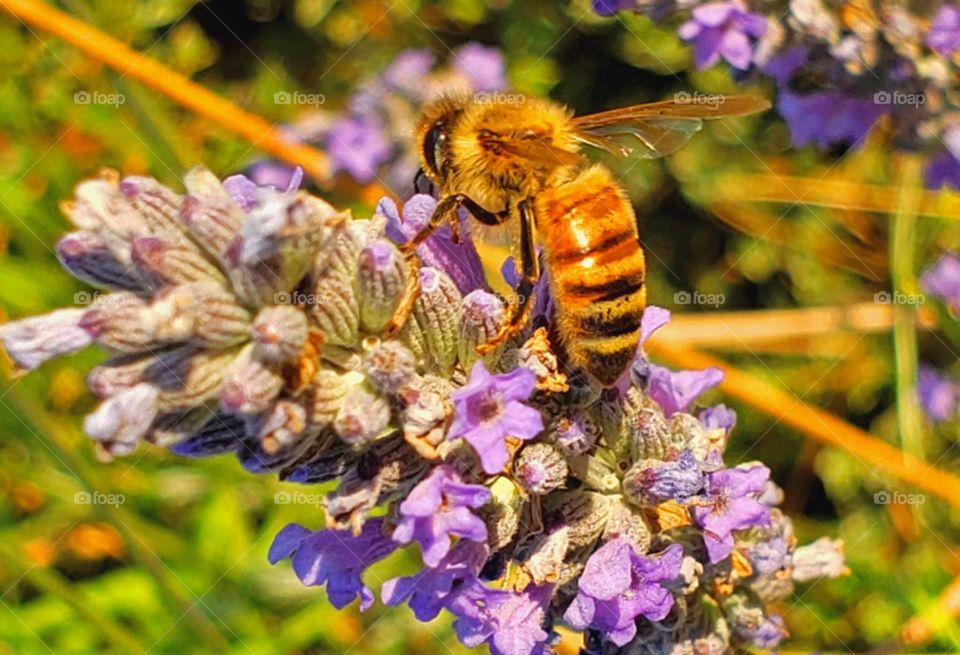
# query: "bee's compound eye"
{"points": [[432, 145]]}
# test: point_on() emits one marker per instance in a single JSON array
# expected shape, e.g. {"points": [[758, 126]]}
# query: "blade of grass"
{"points": [[839, 194], [815, 423], [903, 246], [177, 87], [764, 327]]}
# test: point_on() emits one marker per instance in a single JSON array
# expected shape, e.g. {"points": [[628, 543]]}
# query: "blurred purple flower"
{"points": [[731, 504], [618, 585], [510, 622], [407, 71], [943, 281], [482, 66], [438, 508], [824, 117], [432, 589], [460, 261], [943, 169], [939, 395], [944, 35], [767, 634], [336, 558], [610, 7], [358, 145], [489, 408], [723, 29]]}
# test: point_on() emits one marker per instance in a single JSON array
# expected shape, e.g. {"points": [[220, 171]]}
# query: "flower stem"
{"points": [[903, 242]]}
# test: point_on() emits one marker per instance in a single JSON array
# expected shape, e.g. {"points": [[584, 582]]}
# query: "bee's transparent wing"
{"points": [[536, 150], [657, 129]]}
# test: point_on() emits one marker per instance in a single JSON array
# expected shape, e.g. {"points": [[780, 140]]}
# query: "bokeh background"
{"points": [[159, 554]]}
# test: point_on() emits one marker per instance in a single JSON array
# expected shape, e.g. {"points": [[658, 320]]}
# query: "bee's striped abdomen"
{"points": [[588, 230]]}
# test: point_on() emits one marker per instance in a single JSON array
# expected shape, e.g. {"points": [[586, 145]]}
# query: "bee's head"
{"points": [[433, 132]]}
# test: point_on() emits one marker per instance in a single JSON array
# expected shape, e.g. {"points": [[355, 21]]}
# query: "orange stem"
{"points": [[790, 410], [177, 87]]}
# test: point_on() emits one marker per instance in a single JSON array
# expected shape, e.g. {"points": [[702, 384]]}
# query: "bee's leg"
{"points": [[518, 311], [446, 210]]}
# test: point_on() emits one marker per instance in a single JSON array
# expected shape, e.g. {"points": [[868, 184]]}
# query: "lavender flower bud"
{"points": [[822, 558], [574, 435], [203, 313], [172, 428], [651, 482], [542, 559], [540, 468], [116, 322], [340, 258], [279, 333], [389, 365], [584, 512], [86, 256], [502, 513], [425, 421], [381, 280], [209, 213], [122, 420], [188, 377], [118, 374], [336, 312], [481, 315], [283, 425], [628, 522], [687, 431], [163, 262], [250, 385], [638, 420], [157, 205], [751, 624], [100, 207], [362, 417], [436, 312], [328, 391], [34, 340]]}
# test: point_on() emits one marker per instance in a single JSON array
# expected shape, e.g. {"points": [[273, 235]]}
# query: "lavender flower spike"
{"points": [[730, 505], [723, 29], [336, 558], [437, 508], [489, 409], [618, 585]]}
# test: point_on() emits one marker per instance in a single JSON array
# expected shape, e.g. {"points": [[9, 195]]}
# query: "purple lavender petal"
{"points": [[675, 391]]}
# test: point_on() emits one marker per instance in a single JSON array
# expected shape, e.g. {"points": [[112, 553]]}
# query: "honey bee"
{"points": [[519, 162]]}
